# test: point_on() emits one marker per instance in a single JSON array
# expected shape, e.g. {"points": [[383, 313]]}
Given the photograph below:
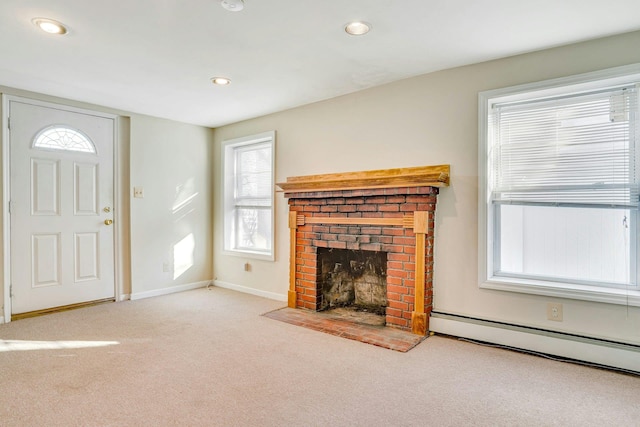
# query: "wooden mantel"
{"points": [[422, 176]]}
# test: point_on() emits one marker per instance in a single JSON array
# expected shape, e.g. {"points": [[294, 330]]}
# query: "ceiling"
{"points": [[156, 57]]}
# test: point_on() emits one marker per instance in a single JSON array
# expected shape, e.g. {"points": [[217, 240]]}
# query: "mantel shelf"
{"points": [[422, 176]]}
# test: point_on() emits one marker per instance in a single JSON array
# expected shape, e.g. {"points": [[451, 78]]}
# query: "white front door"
{"points": [[61, 207]]}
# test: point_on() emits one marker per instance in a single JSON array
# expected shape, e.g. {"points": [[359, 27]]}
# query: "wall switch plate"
{"points": [[247, 266], [554, 311], [138, 192]]}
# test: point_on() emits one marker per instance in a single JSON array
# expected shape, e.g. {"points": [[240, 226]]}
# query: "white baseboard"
{"points": [[617, 355], [171, 290], [252, 291]]}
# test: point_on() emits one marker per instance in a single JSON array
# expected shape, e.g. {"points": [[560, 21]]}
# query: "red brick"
{"points": [[338, 229], [397, 273], [398, 257], [371, 247], [371, 230], [376, 200], [329, 237], [394, 265], [389, 208], [311, 208], [320, 244], [347, 238], [367, 208], [320, 229], [393, 248], [396, 289], [336, 201], [408, 207], [395, 199], [393, 312], [396, 321], [355, 200], [364, 239], [398, 304], [338, 245], [393, 231], [329, 208], [347, 208], [381, 239], [372, 215], [307, 298], [399, 240]]}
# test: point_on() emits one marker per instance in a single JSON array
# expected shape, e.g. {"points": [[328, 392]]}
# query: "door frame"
{"points": [[6, 195]]}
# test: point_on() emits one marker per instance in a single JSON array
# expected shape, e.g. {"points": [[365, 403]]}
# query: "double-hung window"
{"points": [[248, 195], [559, 187]]}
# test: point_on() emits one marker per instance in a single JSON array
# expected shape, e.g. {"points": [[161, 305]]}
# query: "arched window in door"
{"points": [[63, 137]]}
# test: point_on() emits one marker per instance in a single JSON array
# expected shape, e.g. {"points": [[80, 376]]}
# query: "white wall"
{"points": [[171, 225], [426, 120], [173, 162]]}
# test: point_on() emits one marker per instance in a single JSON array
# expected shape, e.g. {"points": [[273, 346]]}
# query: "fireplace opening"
{"points": [[354, 281]]}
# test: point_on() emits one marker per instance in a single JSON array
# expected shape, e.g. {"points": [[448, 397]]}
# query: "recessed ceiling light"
{"points": [[232, 5], [220, 81], [357, 28], [50, 26]]}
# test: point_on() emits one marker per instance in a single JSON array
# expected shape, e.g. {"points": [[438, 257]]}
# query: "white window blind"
{"points": [[576, 150]]}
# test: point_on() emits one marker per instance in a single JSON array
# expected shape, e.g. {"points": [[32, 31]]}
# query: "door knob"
{"points": [[108, 221]]}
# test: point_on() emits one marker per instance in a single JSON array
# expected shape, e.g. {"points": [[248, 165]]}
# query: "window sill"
{"points": [[248, 254], [630, 297]]}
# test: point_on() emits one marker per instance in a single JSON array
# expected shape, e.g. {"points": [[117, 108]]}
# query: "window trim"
{"points": [[229, 185], [486, 232]]}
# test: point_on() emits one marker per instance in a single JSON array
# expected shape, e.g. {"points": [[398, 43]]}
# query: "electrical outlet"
{"points": [[138, 192], [554, 311]]}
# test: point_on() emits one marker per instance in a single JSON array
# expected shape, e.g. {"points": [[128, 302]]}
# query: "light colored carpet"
{"points": [[207, 358]]}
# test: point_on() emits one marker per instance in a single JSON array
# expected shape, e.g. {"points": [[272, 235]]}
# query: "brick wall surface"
{"points": [[398, 242]]}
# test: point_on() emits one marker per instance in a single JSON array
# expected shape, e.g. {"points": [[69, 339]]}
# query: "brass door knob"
{"points": [[108, 221]]}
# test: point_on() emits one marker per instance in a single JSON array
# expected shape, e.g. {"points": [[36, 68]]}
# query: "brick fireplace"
{"points": [[385, 211]]}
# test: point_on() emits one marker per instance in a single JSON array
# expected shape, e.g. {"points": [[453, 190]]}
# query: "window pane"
{"points": [[253, 229], [579, 244], [254, 172], [61, 137]]}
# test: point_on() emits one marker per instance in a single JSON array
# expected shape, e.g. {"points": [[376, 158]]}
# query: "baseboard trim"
{"points": [[252, 291], [599, 352], [170, 290]]}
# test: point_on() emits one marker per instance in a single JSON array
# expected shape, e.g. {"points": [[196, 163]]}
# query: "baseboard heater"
{"points": [[581, 348]]}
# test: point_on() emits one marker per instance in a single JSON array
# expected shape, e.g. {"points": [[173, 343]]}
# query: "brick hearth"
{"points": [[398, 220]]}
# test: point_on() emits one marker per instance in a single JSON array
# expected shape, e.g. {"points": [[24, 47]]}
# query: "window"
{"points": [[559, 187], [248, 195], [61, 137]]}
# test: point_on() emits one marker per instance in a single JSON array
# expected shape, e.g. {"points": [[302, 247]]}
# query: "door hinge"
{"points": [[11, 291], [10, 206], [9, 122]]}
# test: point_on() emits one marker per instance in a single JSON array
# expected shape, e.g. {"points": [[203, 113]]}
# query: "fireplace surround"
{"points": [[390, 211]]}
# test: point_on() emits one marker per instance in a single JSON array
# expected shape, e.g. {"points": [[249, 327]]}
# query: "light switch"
{"points": [[138, 192]]}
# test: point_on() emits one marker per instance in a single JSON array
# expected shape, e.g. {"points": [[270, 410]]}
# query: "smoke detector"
{"points": [[232, 5]]}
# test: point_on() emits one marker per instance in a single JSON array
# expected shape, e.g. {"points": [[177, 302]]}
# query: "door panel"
{"points": [[61, 195]]}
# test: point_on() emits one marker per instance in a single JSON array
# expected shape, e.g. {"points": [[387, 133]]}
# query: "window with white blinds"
{"points": [[574, 150], [559, 187], [248, 184]]}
